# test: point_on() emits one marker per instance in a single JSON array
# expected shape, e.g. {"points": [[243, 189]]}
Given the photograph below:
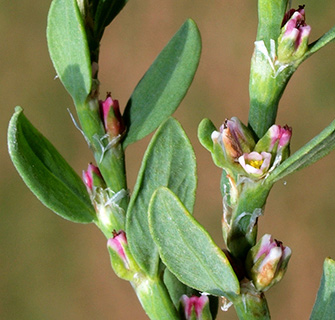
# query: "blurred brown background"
{"points": [[53, 269]]}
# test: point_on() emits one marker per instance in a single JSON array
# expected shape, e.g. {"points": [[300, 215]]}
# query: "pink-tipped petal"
{"points": [[88, 176], [117, 244], [194, 303]]}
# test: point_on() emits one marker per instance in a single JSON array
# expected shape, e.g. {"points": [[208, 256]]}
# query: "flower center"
{"points": [[256, 163]]}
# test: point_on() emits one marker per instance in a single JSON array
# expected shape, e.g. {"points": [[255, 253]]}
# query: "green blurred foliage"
{"points": [[54, 269]]}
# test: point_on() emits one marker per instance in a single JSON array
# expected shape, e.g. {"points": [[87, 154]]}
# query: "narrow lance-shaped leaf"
{"points": [[314, 150], [187, 249], [325, 301], [169, 161], [68, 48], [46, 173], [164, 85]]}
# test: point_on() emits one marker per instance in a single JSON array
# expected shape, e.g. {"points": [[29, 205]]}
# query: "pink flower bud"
{"points": [[277, 142], [284, 136], [280, 135], [293, 40], [194, 306], [267, 262], [255, 164], [112, 119], [92, 178], [119, 244], [290, 13]]}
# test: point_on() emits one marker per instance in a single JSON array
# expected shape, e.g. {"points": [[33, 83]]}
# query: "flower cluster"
{"points": [[248, 158]]}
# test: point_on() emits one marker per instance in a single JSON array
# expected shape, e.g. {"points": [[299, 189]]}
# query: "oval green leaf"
{"points": [[164, 85], [46, 173], [68, 48], [187, 249], [169, 161]]}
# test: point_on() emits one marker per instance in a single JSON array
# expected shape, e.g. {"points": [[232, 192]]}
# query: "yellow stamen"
{"points": [[256, 163]]}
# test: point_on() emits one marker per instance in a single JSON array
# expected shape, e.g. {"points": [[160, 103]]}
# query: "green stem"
{"points": [[155, 299], [266, 86], [243, 231], [264, 100], [112, 167], [110, 158]]}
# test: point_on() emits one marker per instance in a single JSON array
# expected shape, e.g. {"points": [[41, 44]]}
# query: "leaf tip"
{"points": [[18, 109]]}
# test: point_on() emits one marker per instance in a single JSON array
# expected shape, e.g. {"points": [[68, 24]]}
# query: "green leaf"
{"points": [[325, 301], [105, 12], [68, 48], [169, 161], [321, 42], [176, 288], [187, 249], [314, 150], [164, 85], [46, 173]]}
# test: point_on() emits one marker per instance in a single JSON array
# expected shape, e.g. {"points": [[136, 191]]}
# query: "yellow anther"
{"points": [[256, 163]]}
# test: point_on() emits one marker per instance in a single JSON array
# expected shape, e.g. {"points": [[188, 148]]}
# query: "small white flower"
{"points": [[255, 164]]}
